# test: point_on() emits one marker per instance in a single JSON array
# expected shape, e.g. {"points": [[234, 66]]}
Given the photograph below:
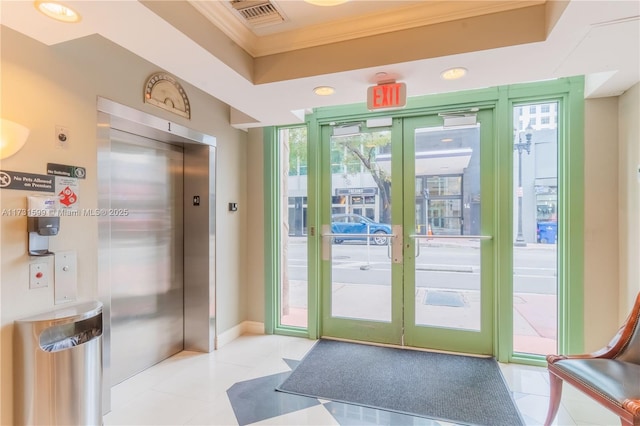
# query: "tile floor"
{"points": [[192, 388]]}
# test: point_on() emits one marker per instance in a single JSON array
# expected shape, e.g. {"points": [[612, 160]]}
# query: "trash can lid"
{"points": [[72, 313]]}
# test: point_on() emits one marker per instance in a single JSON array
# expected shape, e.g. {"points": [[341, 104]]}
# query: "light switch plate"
{"points": [[65, 287]]}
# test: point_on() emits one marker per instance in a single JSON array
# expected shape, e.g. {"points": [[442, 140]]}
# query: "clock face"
{"points": [[164, 91]]}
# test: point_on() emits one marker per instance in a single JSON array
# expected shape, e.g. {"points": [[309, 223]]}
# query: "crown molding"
{"points": [[425, 13], [223, 18], [428, 13]]}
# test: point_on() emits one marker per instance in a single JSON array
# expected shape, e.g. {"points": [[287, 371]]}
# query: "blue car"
{"points": [[356, 224]]}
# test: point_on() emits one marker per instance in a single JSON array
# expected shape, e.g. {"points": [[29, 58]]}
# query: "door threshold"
{"points": [[413, 348]]}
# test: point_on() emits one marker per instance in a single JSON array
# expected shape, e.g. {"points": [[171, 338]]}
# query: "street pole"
{"points": [[521, 146], [368, 264]]}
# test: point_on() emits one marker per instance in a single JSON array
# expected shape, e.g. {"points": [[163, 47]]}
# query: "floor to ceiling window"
{"points": [[293, 220], [535, 254], [532, 232]]}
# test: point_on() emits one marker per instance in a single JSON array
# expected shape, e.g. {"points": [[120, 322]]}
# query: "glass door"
{"points": [[416, 269], [448, 239], [360, 299]]}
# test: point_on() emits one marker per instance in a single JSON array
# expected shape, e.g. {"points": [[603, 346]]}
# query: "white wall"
{"points": [[629, 197], [58, 85], [612, 213], [255, 227], [601, 282]]}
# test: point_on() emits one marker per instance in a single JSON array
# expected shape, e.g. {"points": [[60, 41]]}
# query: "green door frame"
{"points": [[373, 331], [450, 339], [570, 94]]}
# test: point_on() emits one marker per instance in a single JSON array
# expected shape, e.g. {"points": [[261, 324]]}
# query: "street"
{"points": [[445, 266]]}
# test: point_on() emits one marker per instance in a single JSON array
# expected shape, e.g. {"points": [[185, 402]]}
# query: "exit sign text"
{"points": [[390, 95]]}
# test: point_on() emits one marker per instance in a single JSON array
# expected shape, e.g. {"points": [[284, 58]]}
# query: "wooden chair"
{"points": [[611, 376]]}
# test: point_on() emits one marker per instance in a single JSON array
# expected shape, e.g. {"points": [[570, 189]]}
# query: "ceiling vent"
{"points": [[257, 13]]}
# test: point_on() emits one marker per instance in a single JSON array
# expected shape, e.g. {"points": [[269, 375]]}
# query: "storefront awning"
{"points": [[430, 163]]}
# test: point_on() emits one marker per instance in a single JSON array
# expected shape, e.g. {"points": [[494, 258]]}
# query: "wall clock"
{"points": [[164, 91]]}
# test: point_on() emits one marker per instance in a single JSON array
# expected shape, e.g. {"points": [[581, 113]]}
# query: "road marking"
{"points": [[385, 267], [349, 265], [534, 269]]}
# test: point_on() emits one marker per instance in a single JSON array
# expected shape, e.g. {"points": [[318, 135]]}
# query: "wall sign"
{"points": [[68, 191], [26, 181], [356, 191], [66, 171], [389, 95]]}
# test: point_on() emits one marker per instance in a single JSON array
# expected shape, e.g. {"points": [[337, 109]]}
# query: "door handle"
{"points": [[326, 242], [451, 237], [396, 244]]}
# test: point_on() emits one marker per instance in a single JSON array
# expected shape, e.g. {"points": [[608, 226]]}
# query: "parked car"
{"points": [[359, 226]]}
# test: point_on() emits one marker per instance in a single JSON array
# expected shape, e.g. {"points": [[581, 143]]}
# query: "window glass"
{"points": [[293, 280], [535, 259]]}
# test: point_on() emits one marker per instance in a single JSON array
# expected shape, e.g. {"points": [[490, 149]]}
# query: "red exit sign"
{"points": [[390, 95]]}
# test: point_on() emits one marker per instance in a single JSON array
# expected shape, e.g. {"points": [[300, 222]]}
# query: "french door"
{"points": [[407, 250]]}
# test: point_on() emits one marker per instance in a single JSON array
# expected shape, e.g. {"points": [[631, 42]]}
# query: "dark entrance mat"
{"points": [[455, 388]]}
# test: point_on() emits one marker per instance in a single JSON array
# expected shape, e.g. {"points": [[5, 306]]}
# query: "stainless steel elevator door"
{"points": [[146, 218]]}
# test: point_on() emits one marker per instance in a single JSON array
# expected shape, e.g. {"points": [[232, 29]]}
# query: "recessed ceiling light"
{"points": [[326, 2], [453, 73], [446, 140], [58, 11], [324, 90]]}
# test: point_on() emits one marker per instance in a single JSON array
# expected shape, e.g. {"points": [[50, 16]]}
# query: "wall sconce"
{"points": [[13, 136]]}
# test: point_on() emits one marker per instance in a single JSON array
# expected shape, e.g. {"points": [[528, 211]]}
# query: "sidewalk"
{"points": [[534, 315]]}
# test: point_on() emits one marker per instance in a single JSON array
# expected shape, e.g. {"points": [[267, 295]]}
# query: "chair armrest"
{"points": [[616, 345], [632, 406]]}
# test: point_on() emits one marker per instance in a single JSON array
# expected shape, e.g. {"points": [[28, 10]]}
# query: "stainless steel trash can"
{"points": [[58, 367]]}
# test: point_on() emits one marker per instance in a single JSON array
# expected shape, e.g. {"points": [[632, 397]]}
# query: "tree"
{"points": [[349, 153], [297, 139], [363, 148]]}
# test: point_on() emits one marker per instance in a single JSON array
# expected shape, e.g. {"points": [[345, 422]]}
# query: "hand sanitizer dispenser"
{"points": [[42, 223]]}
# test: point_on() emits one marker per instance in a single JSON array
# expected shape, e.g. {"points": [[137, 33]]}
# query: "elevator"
{"points": [[147, 315], [156, 254]]}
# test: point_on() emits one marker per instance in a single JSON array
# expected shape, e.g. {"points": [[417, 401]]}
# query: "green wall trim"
{"points": [[528, 359], [572, 156], [503, 234], [291, 331], [313, 222], [271, 232]]}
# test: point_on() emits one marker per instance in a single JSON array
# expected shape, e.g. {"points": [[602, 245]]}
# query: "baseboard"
{"points": [[245, 327], [253, 327]]}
